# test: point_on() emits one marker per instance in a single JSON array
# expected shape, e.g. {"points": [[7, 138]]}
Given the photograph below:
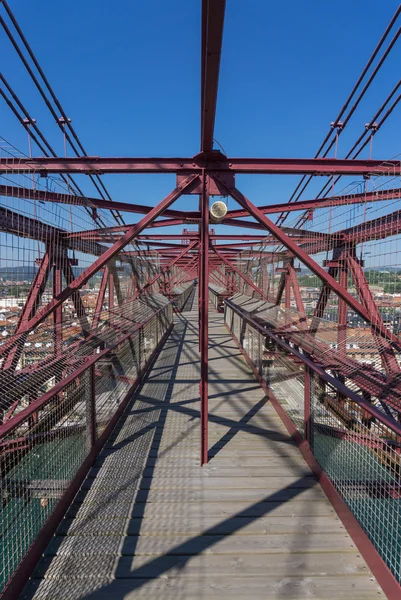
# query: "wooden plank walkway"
{"points": [[150, 523]]}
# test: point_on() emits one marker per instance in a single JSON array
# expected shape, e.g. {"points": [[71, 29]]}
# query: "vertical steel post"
{"points": [[58, 313], [32, 302], [204, 317], [111, 295], [287, 287], [91, 407], [307, 404], [100, 297], [342, 319], [342, 309]]}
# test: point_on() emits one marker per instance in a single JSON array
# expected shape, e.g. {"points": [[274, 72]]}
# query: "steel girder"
{"points": [[212, 162], [79, 281], [308, 261]]}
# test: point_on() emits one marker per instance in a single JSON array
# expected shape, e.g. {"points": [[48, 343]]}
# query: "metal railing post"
{"points": [[91, 407], [307, 404]]}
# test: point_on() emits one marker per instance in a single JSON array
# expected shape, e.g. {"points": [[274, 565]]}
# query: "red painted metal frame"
{"points": [[189, 267], [324, 294], [31, 304], [47, 196], [386, 352], [29, 562], [204, 320], [375, 229], [376, 564], [376, 196], [342, 306], [47, 397], [100, 297], [295, 288], [209, 172], [58, 313], [75, 296], [240, 273], [313, 266], [28, 227], [323, 374], [211, 161], [103, 259], [212, 38], [165, 269]]}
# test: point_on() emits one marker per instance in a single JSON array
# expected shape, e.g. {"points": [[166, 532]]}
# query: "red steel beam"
{"points": [[375, 196], [243, 224], [161, 245], [321, 371], [307, 260], [375, 229], [213, 162], [218, 276], [204, 320], [75, 296], [186, 186], [167, 267], [186, 266], [100, 297], [190, 235], [45, 196], [242, 275], [297, 292], [32, 302], [212, 38], [169, 222], [342, 306], [28, 227], [58, 313], [48, 396], [385, 350]]}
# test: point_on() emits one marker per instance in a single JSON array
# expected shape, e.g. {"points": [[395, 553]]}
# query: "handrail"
{"points": [[19, 418], [387, 420]]}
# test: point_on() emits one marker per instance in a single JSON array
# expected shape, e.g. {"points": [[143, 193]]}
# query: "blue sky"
{"points": [[128, 75]]}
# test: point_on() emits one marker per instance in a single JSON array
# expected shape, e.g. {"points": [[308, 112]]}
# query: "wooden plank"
{"points": [[130, 545], [205, 495], [125, 567], [108, 481], [292, 509], [298, 588], [166, 525], [252, 472]]}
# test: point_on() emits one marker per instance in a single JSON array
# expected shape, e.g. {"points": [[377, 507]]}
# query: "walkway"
{"points": [[150, 523]]}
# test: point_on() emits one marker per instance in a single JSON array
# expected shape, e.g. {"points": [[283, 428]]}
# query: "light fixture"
{"points": [[218, 211]]}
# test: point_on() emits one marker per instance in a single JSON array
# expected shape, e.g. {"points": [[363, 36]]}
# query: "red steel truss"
{"points": [[229, 263]]}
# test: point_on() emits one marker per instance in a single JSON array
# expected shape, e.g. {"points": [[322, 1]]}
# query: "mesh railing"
{"points": [[44, 445], [357, 447], [181, 295]]}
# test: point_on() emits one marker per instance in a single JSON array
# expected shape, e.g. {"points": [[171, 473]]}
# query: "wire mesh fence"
{"points": [[359, 451], [43, 446]]}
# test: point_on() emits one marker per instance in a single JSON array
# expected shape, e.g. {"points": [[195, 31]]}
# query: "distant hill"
{"points": [[20, 273], [27, 272]]}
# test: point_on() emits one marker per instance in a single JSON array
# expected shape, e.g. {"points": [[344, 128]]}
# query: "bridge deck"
{"points": [[150, 523]]}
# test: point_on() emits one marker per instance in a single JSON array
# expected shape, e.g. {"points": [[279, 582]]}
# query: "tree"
{"points": [[392, 288]]}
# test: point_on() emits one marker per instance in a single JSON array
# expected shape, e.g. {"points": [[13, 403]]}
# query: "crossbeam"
{"points": [[212, 162]]}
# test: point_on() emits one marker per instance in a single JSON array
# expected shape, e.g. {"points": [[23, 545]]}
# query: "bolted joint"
{"points": [[337, 125]]}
